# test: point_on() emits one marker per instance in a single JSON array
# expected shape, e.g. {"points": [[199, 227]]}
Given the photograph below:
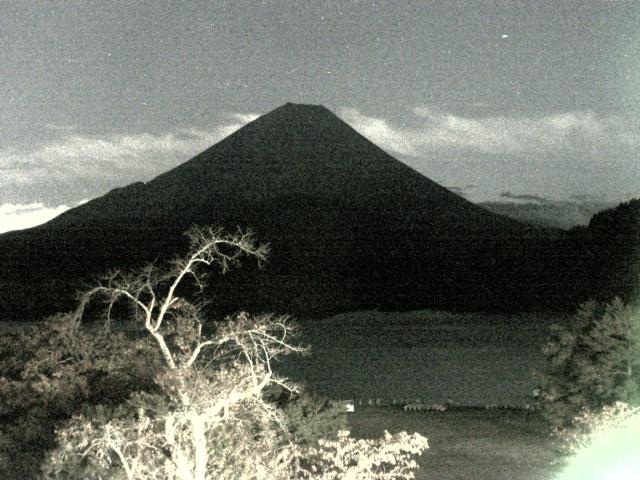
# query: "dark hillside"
{"points": [[602, 260], [350, 227]]}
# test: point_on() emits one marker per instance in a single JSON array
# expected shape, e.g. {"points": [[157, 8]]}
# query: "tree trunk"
{"points": [[199, 446]]}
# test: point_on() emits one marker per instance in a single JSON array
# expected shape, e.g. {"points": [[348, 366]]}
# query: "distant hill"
{"points": [[602, 260], [350, 227], [549, 214]]}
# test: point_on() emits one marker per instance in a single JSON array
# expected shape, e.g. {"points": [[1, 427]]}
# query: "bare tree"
{"points": [[247, 344], [212, 419], [154, 293]]}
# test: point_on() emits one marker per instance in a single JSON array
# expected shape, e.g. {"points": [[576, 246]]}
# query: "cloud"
{"points": [[60, 128], [442, 132], [241, 119], [101, 162], [380, 131], [462, 190], [525, 197], [556, 155], [245, 117], [584, 197], [21, 216]]}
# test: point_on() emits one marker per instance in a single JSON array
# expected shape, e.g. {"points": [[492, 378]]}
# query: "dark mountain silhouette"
{"points": [[349, 226]]}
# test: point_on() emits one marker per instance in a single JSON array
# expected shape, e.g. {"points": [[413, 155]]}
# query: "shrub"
{"points": [[346, 458], [311, 417], [49, 371], [593, 363]]}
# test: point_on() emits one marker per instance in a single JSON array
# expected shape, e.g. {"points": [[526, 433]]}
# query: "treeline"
{"points": [[363, 267], [602, 261]]}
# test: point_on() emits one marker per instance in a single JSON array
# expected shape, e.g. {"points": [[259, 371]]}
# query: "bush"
{"points": [[311, 417], [593, 363], [346, 458], [49, 371]]}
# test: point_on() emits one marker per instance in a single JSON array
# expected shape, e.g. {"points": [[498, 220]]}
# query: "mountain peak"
{"points": [[303, 106], [350, 226], [296, 112]]}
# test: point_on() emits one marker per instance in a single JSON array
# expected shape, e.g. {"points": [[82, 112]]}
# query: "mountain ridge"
{"points": [[350, 227], [304, 178]]}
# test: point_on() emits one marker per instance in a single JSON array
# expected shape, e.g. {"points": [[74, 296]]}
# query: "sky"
{"points": [[494, 100]]}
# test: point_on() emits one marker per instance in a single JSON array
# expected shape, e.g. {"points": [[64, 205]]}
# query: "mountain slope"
{"points": [[295, 151], [350, 227]]}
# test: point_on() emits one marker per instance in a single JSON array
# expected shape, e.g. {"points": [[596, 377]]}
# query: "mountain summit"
{"points": [[349, 225], [294, 151]]}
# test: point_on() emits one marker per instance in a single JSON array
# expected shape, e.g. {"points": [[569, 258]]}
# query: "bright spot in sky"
{"points": [[505, 36]]}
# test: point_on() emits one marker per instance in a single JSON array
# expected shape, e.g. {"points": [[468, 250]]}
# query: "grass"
{"points": [[468, 444]]}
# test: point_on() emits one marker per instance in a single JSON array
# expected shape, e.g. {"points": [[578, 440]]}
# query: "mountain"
{"points": [[549, 214], [349, 227]]}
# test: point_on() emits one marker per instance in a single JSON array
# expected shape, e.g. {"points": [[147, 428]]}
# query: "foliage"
{"points": [[593, 363], [603, 444], [48, 371], [238, 447], [346, 458], [212, 414], [589, 424], [161, 437], [311, 417]]}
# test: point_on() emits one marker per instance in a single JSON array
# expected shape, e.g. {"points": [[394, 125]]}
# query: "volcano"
{"points": [[349, 226]]}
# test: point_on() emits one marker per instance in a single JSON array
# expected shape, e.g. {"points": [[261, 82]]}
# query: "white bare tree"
{"points": [[212, 418], [240, 351], [154, 293]]}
